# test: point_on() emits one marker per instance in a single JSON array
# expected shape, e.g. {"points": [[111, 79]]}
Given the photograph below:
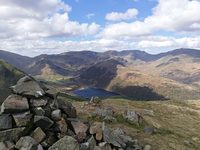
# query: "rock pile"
{"points": [[33, 118]]}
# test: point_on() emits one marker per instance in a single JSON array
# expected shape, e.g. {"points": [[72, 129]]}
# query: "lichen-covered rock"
{"points": [[38, 134], [14, 104], [27, 143], [27, 86], [22, 119], [66, 143], [11, 134], [7, 145], [5, 121]]}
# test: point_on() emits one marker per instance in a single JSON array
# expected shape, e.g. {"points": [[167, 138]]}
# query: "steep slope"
{"points": [[8, 76], [16, 60], [133, 83], [100, 74]]}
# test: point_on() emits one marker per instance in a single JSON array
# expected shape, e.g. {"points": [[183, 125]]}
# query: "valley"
{"points": [[170, 75]]}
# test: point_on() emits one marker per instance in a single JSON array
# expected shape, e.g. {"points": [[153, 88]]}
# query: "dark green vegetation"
{"points": [[9, 75]]}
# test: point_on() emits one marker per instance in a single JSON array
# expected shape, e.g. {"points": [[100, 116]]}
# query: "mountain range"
{"points": [[133, 73]]}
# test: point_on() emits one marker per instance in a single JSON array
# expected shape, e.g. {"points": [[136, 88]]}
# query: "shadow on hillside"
{"points": [[138, 93]]}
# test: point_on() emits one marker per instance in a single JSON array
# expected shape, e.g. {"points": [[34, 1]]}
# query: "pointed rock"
{"points": [[29, 87]]}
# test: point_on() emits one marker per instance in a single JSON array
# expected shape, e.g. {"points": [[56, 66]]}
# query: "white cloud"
{"points": [[35, 27], [40, 18], [90, 15], [118, 16], [171, 15]]}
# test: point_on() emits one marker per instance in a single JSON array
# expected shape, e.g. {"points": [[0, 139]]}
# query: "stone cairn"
{"points": [[33, 118]]}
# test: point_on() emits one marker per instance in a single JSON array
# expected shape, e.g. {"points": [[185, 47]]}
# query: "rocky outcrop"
{"points": [[32, 119]]}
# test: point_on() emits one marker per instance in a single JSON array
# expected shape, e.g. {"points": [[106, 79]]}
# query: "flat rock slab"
{"points": [[27, 143], [14, 104], [66, 143], [5, 121], [29, 87], [11, 134]]}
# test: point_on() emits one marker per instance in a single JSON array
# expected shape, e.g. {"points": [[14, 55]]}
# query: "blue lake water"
{"points": [[88, 93]]}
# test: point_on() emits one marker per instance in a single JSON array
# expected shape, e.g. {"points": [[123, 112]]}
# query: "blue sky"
{"points": [[100, 8], [54, 26]]}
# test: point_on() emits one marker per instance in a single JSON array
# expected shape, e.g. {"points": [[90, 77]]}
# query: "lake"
{"points": [[90, 92]]}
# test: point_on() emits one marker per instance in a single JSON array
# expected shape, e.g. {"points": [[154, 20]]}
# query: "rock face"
{"points": [[32, 119]]}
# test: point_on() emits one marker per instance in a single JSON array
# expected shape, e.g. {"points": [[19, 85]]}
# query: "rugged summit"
{"points": [[33, 118]]}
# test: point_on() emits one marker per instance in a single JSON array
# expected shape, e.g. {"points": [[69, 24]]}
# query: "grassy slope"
{"points": [[9, 75], [133, 76], [177, 122]]}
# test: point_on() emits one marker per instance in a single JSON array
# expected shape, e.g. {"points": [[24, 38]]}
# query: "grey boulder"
{"points": [[29, 87], [14, 104], [66, 143]]}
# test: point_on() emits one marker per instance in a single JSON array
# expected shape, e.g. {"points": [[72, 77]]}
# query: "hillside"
{"points": [[8, 76], [170, 75], [176, 122]]}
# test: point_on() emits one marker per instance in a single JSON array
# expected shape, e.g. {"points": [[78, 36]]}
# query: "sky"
{"points": [[34, 27]]}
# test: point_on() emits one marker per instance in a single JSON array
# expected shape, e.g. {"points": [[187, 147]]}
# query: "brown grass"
{"points": [[176, 121]]}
